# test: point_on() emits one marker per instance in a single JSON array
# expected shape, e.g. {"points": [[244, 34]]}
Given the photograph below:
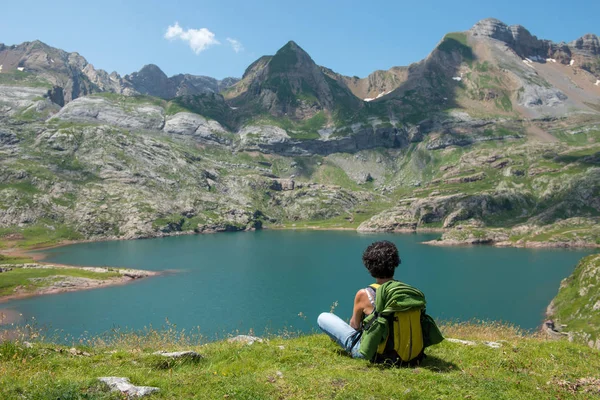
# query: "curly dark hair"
{"points": [[381, 259]]}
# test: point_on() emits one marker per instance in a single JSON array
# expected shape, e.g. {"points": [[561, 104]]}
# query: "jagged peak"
{"points": [[490, 21], [37, 41], [150, 68], [291, 45], [288, 57], [589, 38], [493, 28]]}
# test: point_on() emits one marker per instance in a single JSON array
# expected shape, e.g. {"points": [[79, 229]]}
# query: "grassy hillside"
{"points": [[306, 367], [577, 305]]}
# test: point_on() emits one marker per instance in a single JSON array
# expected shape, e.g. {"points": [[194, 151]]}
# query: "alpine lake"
{"points": [[277, 281]]}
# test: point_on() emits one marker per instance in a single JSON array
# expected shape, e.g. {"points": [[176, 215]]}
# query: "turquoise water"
{"points": [[267, 281]]}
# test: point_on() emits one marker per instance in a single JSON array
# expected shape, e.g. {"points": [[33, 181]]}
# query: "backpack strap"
{"points": [[370, 291]]}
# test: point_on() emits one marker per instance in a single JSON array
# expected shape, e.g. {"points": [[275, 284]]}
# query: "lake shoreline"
{"points": [[39, 256], [70, 284], [67, 283], [517, 245]]}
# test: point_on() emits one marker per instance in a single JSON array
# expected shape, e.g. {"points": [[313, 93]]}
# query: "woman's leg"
{"points": [[339, 331]]}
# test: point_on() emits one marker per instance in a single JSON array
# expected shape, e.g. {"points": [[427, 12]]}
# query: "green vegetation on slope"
{"points": [[45, 233], [306, 367], [284, 59], [22, 78], [577, 304], [209, 105], [302, 130], [125, 101], [457, 41]]}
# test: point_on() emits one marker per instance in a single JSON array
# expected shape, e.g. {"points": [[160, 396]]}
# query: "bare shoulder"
{"points": [[360, 295]]}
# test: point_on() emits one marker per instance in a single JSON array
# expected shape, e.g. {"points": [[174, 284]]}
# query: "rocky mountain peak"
{"points": [[290, 84], [588, 45], [149, 72], [151, 80], [493, 28], [513, 35], [289, 57]]}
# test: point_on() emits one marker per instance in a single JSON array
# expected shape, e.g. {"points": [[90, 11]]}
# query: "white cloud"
{"points": [[236, 45], [198, 39]]}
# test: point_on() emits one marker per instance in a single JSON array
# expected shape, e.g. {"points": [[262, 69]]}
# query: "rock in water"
{"points": [[124, 386]]}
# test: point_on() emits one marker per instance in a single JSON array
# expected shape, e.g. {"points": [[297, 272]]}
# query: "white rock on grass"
{"points": [[493, 345], [179, 354], [460, 341], [124, 386], [249, 340]]}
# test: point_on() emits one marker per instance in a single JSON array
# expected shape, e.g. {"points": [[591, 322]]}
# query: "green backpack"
{"points": [[398, 330]]}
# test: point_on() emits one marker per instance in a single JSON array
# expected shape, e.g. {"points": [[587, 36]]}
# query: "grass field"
{"points": [[304, 367]]}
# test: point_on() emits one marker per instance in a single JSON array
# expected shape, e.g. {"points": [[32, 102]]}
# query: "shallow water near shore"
{"points": [[270, 281]]}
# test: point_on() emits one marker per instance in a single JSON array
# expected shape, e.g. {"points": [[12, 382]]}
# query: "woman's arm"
{"points": [[357, 313]]}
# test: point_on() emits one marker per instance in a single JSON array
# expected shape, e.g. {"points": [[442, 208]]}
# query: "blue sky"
{"points": [[351, 37]]}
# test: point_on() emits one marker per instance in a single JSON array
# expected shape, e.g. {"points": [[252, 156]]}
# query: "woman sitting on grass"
{"points": [[385, 310]]}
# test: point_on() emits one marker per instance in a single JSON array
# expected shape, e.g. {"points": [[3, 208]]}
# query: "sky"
{"points": [[220, 38]]}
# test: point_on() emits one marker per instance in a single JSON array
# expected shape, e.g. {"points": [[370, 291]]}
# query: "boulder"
{"points": [[282, 184], [124, 386]]}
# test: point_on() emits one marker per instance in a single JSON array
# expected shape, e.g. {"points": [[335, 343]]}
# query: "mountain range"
{"points": [[492, 138]]}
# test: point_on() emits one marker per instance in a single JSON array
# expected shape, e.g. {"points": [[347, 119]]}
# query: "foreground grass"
{"points": [[305, 367]]}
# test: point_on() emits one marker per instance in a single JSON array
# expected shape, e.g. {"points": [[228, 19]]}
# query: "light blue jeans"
{"points": [[339, 331]]}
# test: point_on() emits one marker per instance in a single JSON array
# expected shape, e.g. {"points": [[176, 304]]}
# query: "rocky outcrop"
{"points": [[516, 36], [535, 96], [16, 98], [270, 139], [104, 111], [587, 45], [196, 127], [8, 138], [444, 141], [447, 210], [528, 46]]}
